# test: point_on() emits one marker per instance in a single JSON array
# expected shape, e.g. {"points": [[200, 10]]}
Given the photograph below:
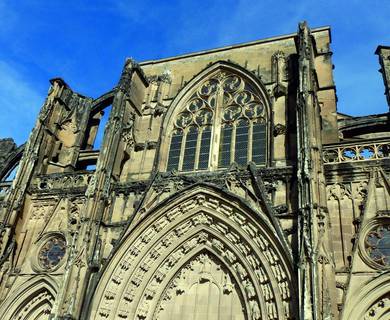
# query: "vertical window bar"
{"points": [[224, 149], [190, 149], [258, 144], [241, 146], [174, 151], [204, 149]]}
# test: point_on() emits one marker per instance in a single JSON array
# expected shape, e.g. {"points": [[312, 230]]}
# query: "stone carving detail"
{"points": [[356, 152], [339, 191], [379, 310], [52, 252], [7, 147], [279, 73], [40, 305], [279, 67], [242, 106], [39, 212], [63, 181], [279, 129], [204, 279], [255, 310], [128, 132], [228, 233], [341, 197], [74, 217]]}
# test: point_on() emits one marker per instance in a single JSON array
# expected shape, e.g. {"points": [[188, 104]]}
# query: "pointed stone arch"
{"points": [[200, 220], [206, 73], [372, 302], [213, 70], [33, 300], [11, 163], [172, 285]]}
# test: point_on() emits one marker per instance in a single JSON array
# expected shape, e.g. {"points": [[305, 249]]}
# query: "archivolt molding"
{"points": [[380, 310], [372, 302], [140, 273], [31, 301], [202, 264]]}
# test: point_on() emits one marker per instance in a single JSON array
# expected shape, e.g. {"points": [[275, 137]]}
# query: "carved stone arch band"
{"points": [[195, 244], [33, 300], [223, 104], [371, 302]]}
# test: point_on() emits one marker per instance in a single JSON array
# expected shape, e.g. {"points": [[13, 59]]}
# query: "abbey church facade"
{"points": [[221, 184]]}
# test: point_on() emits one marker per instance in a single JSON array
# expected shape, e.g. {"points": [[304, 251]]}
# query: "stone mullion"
{"points": [[233, 142], [216, 130], [198, 145], [250, 140], [182, 149]]}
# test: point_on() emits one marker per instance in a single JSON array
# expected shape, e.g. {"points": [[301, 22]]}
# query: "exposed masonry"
{"points": [[221, 184]]}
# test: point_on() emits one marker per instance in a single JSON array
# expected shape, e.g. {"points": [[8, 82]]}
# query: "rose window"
{"points": [[377, 243], [52, 252]]}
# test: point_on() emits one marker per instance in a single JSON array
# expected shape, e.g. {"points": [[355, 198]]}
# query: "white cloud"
{"points": [[20, 103]]}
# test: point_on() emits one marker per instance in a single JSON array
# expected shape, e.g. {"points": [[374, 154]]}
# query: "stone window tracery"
{"points": [[223, 122], [52, 252], [377, 244]]}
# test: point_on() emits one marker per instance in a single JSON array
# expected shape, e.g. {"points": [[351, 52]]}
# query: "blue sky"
{"points": [[86, 43]]}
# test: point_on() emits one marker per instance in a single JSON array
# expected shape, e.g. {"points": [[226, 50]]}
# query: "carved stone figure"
{"points": [[255, 310]]}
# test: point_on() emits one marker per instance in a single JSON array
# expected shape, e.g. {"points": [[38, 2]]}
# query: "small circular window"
{"points": [[52, 252], [377, 244]]}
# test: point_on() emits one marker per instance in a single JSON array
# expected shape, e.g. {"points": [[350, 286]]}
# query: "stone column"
{"points": [[316, 282]]}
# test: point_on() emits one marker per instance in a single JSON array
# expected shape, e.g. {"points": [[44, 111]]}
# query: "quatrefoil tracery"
{"points": [[238, 101]]}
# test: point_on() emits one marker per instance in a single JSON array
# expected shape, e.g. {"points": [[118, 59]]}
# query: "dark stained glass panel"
{"points": [[204, 148], [224, 150], [52, 252], [241, 146], [258, 143], [174, 151], [378, 245], [190, 149]]}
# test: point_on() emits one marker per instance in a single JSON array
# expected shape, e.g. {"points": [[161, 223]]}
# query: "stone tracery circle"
{"points": [[52, 252]]}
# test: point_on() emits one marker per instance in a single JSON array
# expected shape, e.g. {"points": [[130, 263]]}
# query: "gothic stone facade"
{"points": [[226, 186]]}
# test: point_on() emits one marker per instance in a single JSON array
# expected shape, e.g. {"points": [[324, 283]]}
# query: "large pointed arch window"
{"points": [[223, 122]]}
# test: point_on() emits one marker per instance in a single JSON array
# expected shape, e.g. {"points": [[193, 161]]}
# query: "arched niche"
{"points": [[255, 114], [98, 116], [8, 171], [200, 286], [202, 220], [32, 301]]}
